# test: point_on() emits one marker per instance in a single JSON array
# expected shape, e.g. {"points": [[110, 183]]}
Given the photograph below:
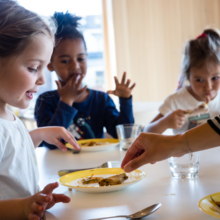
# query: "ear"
{"points": [[50, 67]]}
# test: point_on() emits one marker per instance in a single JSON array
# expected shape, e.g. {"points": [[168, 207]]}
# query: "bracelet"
{"points": [[189, 150]]}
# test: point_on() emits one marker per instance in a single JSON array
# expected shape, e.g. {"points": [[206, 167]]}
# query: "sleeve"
{"points": [[113, 117], [215, 123], [47, 113]]}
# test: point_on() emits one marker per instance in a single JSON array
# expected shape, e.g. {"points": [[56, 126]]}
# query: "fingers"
{"points": [[135, 163], [128, 83], [207, 99], [79, 82], [111, 92], [133, 85], [123, 78], [61, 198], [48, 189], [116, 81], [82, 90], [71, 140], [33, 216], [132, 152]]}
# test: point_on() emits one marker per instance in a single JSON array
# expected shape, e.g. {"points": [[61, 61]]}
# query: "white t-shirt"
{"points": [[19, 175], [183, 100]]}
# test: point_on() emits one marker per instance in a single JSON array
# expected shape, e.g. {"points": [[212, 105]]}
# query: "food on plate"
{"points": [[113, 180], [91, 179], [201, 109], [92, 143], [108, 181]]}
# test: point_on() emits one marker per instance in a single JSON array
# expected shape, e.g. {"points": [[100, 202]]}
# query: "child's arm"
{"points": [[53, 135], [33, 207], [160, 123], [122, 89]]}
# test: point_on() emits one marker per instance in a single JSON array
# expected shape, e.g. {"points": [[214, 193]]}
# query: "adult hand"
{"points": [[71, 90], [150, 148], [122, 89]]}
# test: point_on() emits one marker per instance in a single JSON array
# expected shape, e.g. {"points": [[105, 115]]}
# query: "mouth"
{"points": [[29, 94]]}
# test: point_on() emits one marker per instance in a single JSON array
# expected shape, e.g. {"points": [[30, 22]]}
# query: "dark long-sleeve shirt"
{"points": [[85, 120]]}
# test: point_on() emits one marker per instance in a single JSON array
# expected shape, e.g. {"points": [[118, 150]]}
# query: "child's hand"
{"points": [[175, 119], [38, 203], [122, 89], [53, 135], [71, 90]]}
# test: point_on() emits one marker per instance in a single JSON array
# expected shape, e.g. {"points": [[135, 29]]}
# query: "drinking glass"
{"points": [[127, 133], [186, 166]]}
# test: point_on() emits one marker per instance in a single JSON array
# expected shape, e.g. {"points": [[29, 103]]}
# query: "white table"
{"points": [[179, 198]]}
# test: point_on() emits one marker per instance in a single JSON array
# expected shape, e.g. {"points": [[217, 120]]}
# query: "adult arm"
{"points": [[150, 148]]}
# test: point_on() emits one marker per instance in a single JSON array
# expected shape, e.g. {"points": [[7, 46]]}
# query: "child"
{"points": [[85, 112], [201, 67], [26, 44]]}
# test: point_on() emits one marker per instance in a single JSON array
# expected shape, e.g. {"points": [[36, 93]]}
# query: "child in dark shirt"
{"points": [[84, 112]]}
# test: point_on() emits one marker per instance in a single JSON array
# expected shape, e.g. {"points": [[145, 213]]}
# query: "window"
{"points": [[91, 27]]}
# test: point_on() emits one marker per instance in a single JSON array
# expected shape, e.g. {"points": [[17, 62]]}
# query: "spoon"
{"points": [[147, 211], [108, 164]]}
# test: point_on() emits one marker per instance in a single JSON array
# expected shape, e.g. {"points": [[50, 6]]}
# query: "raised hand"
{"points": [[71, 90], [175, 119], [122, 89], [37, 204]]}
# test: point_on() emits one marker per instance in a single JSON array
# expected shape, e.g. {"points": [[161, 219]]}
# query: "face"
{"points": [[205, 81], [69, 58], [21, 75]]}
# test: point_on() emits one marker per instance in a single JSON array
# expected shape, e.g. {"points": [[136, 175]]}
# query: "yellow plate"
{"points": [[73, 180], [112, 143], [206, 203]]}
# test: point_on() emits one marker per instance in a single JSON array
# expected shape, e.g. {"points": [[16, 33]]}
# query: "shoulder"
{"points": [[178, 95]]}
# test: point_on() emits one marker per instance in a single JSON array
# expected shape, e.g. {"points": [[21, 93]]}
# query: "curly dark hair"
{"points": [[67, 25]]}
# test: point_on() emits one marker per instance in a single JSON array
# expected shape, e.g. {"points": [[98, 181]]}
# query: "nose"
{"points": [[208, 85], [75, 64], [41, 79]]}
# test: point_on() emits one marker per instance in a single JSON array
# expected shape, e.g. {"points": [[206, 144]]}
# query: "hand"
{"points": [[150, 148], [37, 204], [175, 119], [122, 89], [71, 90], [53, 135]]}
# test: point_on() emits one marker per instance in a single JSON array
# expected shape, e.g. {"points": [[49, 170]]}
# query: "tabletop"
{"points": [[179, 198]]}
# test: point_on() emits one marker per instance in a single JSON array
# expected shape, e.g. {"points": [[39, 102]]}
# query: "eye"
{"points": [[81, 59], [64, 61], [199, 80], [215, 78], [32, 70]]}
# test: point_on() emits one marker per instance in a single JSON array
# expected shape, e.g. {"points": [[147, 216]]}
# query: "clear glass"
{"points": [[185, 167], [127, 133]]}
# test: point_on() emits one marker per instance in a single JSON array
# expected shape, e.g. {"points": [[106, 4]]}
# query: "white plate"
{"points": [[112, 143], [73, 180]]}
